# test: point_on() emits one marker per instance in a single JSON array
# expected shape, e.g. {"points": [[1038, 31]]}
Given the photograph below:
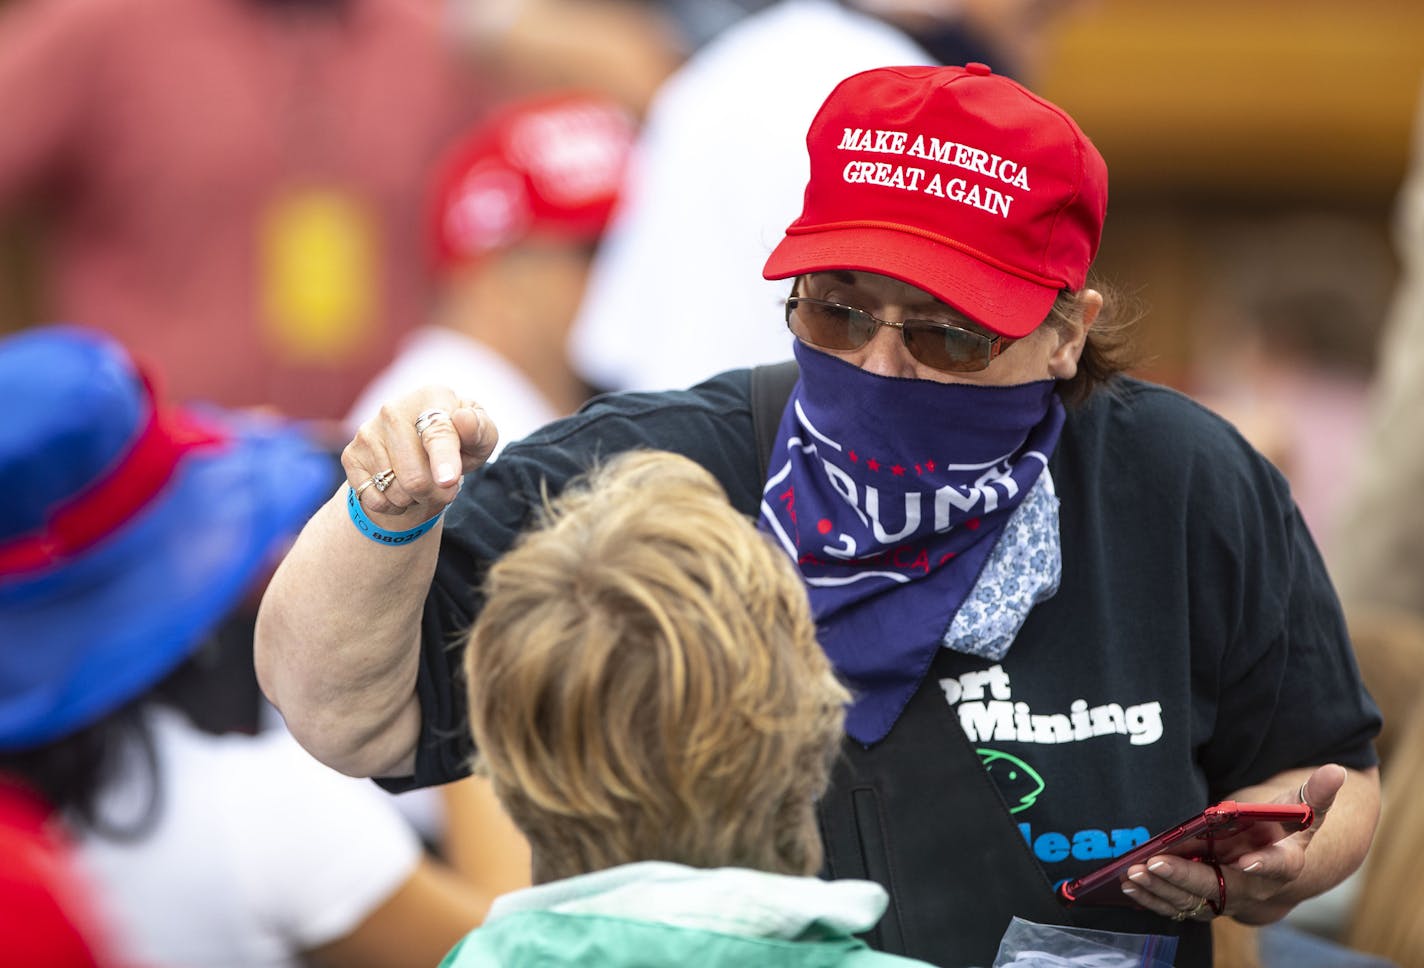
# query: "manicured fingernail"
{"points": [[1157, 866], [445, 473], [1129, 890], [1140, 877], [1254, 867]]}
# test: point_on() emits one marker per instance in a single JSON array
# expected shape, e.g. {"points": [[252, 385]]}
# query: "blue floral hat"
{"points": [[129, 528]]}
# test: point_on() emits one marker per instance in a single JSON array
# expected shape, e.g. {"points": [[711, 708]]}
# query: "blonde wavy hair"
{"points": [[645, 682]]}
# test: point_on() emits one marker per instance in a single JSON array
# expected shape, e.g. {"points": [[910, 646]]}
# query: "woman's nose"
{"points": [[886, 355]]}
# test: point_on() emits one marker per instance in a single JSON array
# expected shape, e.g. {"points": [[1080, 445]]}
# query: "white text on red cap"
{"points": [[944, 152]]}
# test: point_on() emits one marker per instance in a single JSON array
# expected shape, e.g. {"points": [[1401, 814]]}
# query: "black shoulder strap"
{"points": [[771, 388]]}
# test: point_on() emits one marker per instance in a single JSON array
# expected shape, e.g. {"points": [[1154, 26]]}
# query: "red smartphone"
{"points": [[1223, 832]]}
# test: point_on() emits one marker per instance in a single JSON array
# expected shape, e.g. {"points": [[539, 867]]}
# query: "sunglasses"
{"points": [[942, 346]]}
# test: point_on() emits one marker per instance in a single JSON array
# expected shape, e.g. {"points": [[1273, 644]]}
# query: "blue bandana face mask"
{"points": [[890, 495]]}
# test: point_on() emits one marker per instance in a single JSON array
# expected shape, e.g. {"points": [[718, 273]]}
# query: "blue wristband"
{"points": [[379, 534]]}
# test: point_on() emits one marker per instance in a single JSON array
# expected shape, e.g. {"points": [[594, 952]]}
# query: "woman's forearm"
{"points": [[338, 643], [338, 633]]}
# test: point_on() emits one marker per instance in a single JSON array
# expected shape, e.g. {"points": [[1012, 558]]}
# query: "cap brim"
{"points": [[115, 621], [1002, 302]]}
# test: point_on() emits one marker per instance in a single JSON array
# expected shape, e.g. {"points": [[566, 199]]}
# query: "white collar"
{"points": [[729, 899]]}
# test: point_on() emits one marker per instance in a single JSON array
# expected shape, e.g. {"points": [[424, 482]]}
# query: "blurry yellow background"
{"points": [[1215, 115]]}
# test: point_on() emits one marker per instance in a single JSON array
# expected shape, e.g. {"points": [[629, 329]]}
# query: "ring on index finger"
{"points": [[428, 417]]}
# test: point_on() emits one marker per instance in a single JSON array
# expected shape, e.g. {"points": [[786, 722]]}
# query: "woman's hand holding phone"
{"points": [[1246, 872]]}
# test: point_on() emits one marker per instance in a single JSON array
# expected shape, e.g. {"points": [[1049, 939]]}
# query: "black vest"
{"points": [[919, 814]]}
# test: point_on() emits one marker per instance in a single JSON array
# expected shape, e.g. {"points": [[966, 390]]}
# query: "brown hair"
{"points": [[1108, 349], [645, 683]]}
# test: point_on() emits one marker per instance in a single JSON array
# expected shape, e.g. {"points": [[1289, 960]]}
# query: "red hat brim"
{"points": [[1001, 301]]}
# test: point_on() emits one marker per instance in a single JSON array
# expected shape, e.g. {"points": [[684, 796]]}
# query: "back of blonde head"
{"points": [[645, 682]]}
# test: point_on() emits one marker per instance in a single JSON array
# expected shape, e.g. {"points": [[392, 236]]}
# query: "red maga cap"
{"points": [[955, 180], [550, 165]]}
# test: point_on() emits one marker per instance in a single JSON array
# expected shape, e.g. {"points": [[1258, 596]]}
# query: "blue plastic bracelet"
{"points": [[379, 534]]}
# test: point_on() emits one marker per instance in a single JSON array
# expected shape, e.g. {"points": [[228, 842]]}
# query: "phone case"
{"points": [[1223, 832]]}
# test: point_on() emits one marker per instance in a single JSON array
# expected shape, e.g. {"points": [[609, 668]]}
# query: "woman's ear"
{"points": [[1073, 333]]}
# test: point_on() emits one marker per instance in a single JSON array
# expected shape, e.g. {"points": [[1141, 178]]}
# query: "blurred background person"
{"points": [[676, 823], [1386, 920], [515, 214], [1299, 299], [720, 165], [47, 914], [231, 187], [1380, 564], [133, 527]]}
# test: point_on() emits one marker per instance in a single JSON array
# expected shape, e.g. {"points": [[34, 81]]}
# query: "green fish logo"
{"points": [[1016, 779]]}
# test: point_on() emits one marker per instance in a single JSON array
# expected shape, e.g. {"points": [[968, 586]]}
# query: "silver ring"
{"points": [[428, 417], [383, 480], [365, 484]]}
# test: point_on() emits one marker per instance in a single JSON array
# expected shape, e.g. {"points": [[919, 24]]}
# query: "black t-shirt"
{"points": [[1194, 647]]}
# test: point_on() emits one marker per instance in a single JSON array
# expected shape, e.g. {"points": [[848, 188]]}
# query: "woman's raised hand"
{"points": [[406, 463]]}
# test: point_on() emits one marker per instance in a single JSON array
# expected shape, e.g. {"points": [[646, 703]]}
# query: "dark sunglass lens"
{"points": [[828, 325], [947, 348]]}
